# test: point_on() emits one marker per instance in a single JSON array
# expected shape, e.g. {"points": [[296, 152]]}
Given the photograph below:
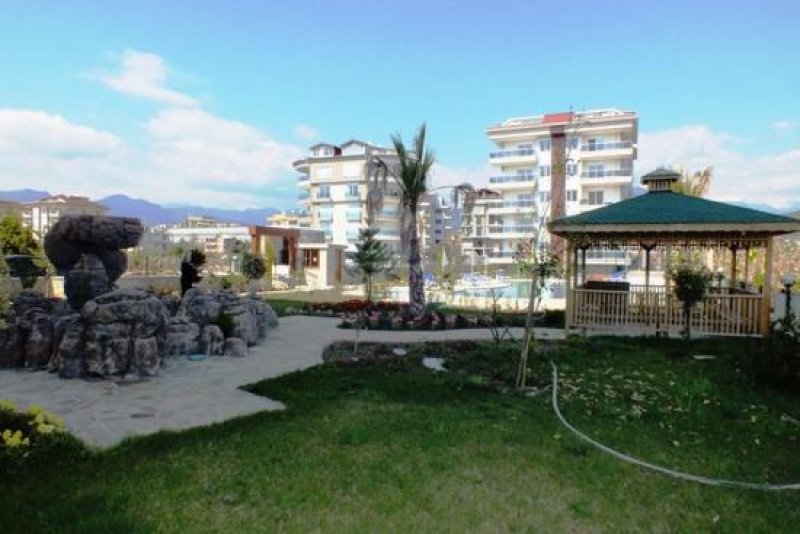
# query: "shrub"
{"points": [[225, 323]]}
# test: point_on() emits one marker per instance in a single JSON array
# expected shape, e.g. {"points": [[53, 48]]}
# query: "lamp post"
{"points": [[788, 282]]}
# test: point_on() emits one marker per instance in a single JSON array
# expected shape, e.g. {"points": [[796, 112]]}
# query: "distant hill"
{"points": [[23, 195], [151, 213]]}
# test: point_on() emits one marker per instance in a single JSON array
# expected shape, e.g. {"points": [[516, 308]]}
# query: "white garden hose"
{"points": [[663, 470]]}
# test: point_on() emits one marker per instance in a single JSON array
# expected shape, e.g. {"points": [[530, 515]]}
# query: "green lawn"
{"points": [[400, 448]]}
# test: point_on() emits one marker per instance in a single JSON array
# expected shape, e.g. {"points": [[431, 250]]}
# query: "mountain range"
{"points": [[151, 213]]}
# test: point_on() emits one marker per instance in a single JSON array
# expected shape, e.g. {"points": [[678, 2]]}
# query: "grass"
{"points": [[399, 448]]}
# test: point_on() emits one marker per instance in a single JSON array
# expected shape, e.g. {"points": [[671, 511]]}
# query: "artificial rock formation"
{"points": [[86, 250]]}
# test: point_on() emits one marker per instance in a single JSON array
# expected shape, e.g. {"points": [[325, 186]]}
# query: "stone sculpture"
{"points": [[86, 250]]}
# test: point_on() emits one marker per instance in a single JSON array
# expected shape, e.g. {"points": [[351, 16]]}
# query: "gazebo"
{"points": [[669, 225]]}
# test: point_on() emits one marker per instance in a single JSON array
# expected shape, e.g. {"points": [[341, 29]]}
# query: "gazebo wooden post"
{"points": [[746, 264], [570, 286], [766, 302], [574, 258], [583, 264], [733, 266]]}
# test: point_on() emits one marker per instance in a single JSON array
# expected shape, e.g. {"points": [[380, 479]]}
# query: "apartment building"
{"points": [[333, 188], [290, 219], [438, 224], [41, 215], [552, 165]]}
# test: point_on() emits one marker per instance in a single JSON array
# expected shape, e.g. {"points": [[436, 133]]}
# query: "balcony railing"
{"points": [[303, 196], [512, 153], [512, 204], [604, 173], [512, 179], [615, 145], [520, 229], [302, 178]]}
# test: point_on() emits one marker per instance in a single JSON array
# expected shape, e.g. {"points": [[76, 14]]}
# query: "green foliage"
{"points": [[253, 267], [691, 285], [371, 257], [15, 238]]}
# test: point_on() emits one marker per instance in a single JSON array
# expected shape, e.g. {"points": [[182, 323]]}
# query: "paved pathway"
{"points": [[189, 394]]}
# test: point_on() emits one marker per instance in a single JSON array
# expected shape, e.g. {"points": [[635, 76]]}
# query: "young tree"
{"points": [[253, 267], [410, 172], [15, 238], [696, 184], [371, 258], [691, 285]]}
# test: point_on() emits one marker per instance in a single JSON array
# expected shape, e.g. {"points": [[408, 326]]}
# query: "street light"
{"points": [[788, 282]]}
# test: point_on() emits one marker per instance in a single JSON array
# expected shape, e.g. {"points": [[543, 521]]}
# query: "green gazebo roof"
{"points": [[669, 212]]}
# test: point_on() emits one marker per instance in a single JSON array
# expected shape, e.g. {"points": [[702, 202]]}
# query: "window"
{"points": [[352, 235], [572, 195], [572, 143], [572, 169], [437, 221], [324, 191], [325, 215], [594, 198], [352, 191], [544, 145], [544, 196], [544, 170], [351, 170], [354, 215]]}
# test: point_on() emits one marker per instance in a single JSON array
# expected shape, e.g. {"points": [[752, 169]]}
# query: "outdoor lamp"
{"points": [[788, 282]]}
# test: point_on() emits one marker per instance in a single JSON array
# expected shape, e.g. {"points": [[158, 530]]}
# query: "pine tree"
{"points": [[371, 257]]}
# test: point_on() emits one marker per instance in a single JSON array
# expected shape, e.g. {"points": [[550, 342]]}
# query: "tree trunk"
{"points": [[687, 317], [530, 339], [416, 285]]}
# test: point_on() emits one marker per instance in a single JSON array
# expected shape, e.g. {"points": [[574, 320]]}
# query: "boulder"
{"points": [[235, 347], [183, 337], [69, 357], [86, 280], [12, 350], [200, 307], [271, 316], [212, 341], [146, 357], [39, 342]]}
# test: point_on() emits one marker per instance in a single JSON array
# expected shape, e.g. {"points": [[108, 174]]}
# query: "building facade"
{"points": [[41, 215], [548, 166], [290, 219], [333, 188]]}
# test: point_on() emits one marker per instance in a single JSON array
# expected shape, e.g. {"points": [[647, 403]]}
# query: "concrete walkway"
{"points": [[189, 394]]}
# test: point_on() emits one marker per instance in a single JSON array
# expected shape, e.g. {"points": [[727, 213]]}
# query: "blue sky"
{"points": [[208, 101]]}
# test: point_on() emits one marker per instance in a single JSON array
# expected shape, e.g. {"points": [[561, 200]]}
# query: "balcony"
{"points": [[607, 173], [612, 149], [525, 229], [303, 180], [523, 155], [303, 196], [514, 178], [614, 145]]}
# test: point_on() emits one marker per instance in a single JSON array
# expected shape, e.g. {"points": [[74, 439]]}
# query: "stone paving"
{"points": [[189, 394]]}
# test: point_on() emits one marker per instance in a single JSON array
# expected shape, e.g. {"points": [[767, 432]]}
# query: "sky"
{"points": [[208, 102]]}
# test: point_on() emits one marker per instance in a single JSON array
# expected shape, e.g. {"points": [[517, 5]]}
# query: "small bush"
{"points": [[225, 323]]}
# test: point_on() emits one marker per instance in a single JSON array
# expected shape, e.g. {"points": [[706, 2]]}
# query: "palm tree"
{"points": [[695, 184], [410, 170]]}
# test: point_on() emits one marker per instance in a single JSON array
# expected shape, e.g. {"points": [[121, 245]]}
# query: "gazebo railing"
{"points": [[652, 309]]}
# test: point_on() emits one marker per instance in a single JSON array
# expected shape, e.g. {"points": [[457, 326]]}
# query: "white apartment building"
{"points": [[290, 218], [334, 191], [437, 222], [41, 215], [548, 166]]}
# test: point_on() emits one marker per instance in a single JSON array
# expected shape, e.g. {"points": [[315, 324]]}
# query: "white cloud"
{"points": [[783, 126], [194, 147], [769, 178], [144, 75], [446, 175], [24, 131], [189, 156], [305, 132]]}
